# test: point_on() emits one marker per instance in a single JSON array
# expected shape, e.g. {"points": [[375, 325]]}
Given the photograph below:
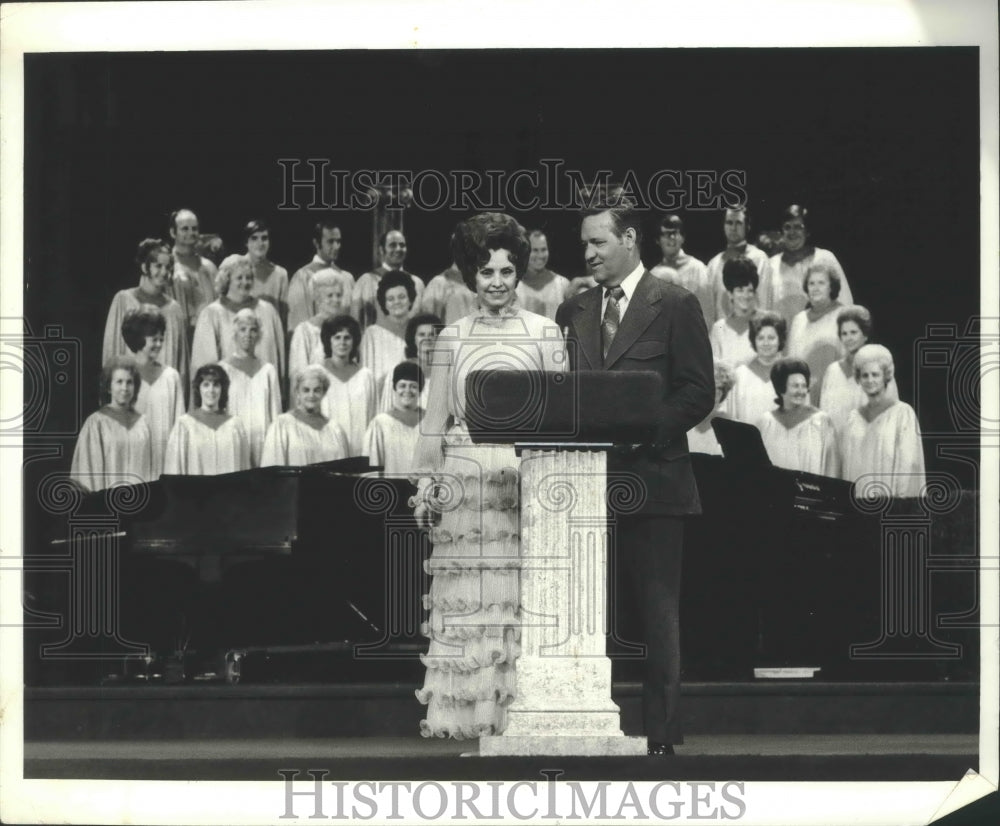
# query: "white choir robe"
{"points": [[751, 396], [351, 404], [817, 343], [274, 290], [381, 350], [543, 300], [391, 444], [196, 449], [887, 450], [840, 393], [161, 404], [175, 337], [193, 289], [701, 438], [213, 334], [292, 441], [306, 348], [782, 290], [256, 399], [112, 449], [729, 345], [810, 446]]}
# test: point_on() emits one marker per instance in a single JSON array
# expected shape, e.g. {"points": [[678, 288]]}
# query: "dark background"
{"points": [[881, 144]]}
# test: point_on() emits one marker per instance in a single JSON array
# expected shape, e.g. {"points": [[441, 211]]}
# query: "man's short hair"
{"points": [[672, 221], [620, 207]]}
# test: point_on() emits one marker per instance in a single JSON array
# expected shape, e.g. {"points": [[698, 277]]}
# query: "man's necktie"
{"points": [[612, 316]]}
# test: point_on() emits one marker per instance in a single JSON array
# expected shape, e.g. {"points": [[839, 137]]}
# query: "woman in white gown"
{"points": [[797, 435], [881, 448], [812, 335], [307, 347], [383, 344], [254, 392], [350, 401], [207, 441], [701, 437], [420, 333], [753, 393], [474, 599], [391, 439], [161, 395], [730, 336], [841, 392], [113, 447], [213, 332], [303, 435]]}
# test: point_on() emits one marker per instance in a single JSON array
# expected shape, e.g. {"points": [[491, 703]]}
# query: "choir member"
{"points": [[303, 435], [213, 333], [881, 446], [328, 298], [327, 241], [155, 273], [447, 296], [730, 336], [254, 391], [841, 393], [797, 435], [350, 400], [812, 335], [207, 440], [161, 392], [677, 267], [782, 290], [420, 333], [113, 447], [383, 343], [541, 291], [364, 304], [270, 281], [391, 439], [753, 394], [701, 437], [194, 275], [735, 225]]}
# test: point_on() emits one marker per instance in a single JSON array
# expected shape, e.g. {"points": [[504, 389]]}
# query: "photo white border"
{"points": [[394, 24]]}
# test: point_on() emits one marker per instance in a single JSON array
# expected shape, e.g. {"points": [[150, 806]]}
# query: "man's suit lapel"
{"points": [[587, 322], [642, 309]]}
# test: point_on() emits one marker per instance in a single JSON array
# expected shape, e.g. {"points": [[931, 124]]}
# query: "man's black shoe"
{"points": [[659, 749]]}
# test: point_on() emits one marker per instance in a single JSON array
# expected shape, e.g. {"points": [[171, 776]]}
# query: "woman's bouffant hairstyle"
{"points": [[739, 272], [313, 371], [230, 264], [149, 248], [475, 238], [108, 370], [725, 378], [140, 324], [781, 370], [253, 227], [878, 354], [395, 278], [859, 315], [831, 275], [767, 318], [411, 331], [408, 371], [334, 325], [210, 371]]}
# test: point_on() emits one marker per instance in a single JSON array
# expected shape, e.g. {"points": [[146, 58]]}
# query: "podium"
{"points": [[563, 425]]}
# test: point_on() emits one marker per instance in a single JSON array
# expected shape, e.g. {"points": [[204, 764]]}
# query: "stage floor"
{"points": [[741, 757]]}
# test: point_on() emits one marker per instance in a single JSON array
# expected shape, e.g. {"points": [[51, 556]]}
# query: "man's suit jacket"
{"points": [[663, 330]]}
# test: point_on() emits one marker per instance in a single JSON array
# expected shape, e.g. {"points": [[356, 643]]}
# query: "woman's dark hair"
{"points": [[831, 275], [767, 318], [411, 331], [859, 315], [781, 370], [798, 211], [108, 370], [391, 279], [149, 248], [408, 371], [254, 226], [475, 238], [739, 272], [139, 324], [210, 371], [334, 325]]}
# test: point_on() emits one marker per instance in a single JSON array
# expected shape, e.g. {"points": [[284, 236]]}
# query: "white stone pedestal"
{"points": [[563, 704]]}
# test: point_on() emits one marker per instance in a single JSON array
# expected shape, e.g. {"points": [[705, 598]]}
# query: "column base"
{"points": [[583, 746]]}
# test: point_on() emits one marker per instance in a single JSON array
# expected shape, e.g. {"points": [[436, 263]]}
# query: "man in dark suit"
{"points": [[634, 321]]}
